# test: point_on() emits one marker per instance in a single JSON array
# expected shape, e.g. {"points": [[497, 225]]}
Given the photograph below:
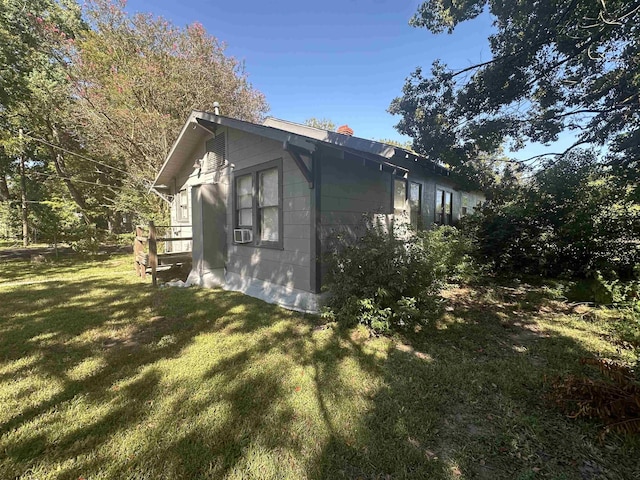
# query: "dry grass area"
{"points": [[103, 377]]}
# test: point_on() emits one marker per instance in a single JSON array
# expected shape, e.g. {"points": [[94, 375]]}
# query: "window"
{"points": [[244, 201], [415, 202], [444, 207], [268, 205], [399, 196], [216, 153], [464, 208], [182, 206], [258, 202]]}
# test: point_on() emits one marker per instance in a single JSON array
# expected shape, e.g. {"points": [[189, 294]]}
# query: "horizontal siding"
{"points": [[295, 231], [278, 272], [350, 192], [289, 266], [253, 255]]}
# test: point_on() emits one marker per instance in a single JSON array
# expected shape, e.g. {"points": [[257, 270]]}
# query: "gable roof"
{"points": [[200, 124]]}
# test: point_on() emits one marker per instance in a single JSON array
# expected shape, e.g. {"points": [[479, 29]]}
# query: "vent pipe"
{"points": [[216, 108]]}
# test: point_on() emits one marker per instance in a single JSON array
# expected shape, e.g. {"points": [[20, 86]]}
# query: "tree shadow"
{"points": [[466, 399], [191, 383]]}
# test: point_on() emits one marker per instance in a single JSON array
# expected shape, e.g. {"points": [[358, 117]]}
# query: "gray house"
{"points": [[262, 201]]}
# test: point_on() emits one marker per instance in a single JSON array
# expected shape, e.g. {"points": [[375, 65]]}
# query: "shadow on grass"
{"points": [[109, 378], [467, 400]]}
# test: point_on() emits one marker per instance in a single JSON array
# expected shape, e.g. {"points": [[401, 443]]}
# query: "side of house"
{"points": [[264, 204], [238, 180]]}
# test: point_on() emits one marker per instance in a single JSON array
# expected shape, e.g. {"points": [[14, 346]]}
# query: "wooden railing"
{"points": [[141, 242]]}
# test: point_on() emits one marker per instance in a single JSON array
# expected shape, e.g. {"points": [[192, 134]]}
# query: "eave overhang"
{"points": [[295, 139]]}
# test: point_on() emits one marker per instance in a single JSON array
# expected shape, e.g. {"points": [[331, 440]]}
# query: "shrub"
{"points": [[605, 291], [574, 217], [390, 278]]}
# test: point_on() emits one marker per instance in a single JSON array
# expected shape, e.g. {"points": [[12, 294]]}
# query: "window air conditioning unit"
{"points": [[242, 235]]}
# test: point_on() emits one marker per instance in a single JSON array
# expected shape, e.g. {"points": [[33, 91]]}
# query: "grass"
{"points": [[17, 243], [103, 377]]}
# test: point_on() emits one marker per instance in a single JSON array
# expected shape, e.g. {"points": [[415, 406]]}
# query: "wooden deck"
{"points": [[153, 262]]}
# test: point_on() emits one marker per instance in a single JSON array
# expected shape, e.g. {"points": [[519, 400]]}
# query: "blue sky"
{"points": [[342, 60]]}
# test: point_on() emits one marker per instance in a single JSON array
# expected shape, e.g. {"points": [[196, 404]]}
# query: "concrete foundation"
{"points": [[289, 298]]}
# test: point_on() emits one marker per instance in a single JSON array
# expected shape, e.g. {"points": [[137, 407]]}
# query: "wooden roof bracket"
{"points": [[297, 153]]}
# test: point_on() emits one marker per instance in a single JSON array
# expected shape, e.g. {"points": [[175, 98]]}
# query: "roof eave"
{"points": [[209, 121], [156, 181]]}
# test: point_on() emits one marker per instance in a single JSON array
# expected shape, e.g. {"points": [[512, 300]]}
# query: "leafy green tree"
{"points": [[322, 123], [571, 218], [100, 100], [21, 40], [37, 39], [407, 145], [557, 65], [137, 78]]}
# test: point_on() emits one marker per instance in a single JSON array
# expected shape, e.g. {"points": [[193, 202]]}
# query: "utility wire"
{"points": [[50, 175], [52, 145]]}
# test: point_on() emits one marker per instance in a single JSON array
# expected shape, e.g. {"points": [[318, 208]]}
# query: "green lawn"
{"points": [[102, 376]]}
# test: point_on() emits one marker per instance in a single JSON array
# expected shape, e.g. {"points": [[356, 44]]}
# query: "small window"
{"points": [[216, 153], [399, 196], [415, 202], [182, 206], [444, 207], [464, 208], [244, 201]]}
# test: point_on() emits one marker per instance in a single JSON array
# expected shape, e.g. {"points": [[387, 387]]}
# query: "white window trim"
{"points": [[178, 203]]}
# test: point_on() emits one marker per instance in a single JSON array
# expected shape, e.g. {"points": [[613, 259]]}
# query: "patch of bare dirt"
{"points": [[144, 334]]}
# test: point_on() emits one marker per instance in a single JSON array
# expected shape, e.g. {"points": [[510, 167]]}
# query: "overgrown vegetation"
{"points": [[102, 377], [391, 276], [573, 218]]}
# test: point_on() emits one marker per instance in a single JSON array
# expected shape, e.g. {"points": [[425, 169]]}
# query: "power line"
{"points": [[50, 175], [74, 153]]}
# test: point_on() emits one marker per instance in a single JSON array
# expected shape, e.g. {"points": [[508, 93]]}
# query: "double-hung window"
{"points": [[444, 207], [244, 201], [464, 208], [269, 205], [258, 202]]}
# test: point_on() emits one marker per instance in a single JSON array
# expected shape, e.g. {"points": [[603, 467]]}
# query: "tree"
{"points": [[571, 218], [407, 144], [100, 99], [137, 78], [322, 123], [557, 65], [37, 38]]}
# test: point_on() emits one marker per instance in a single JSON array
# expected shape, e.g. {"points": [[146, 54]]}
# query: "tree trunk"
{"points": [[4, 188], [23, 195], [61, 169]]}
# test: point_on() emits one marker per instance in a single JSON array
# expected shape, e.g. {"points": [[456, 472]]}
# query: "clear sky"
{"points": [[342, 60]]}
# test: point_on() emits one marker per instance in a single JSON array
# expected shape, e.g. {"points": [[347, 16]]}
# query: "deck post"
{"points": [[153, 253], [137, 250]]}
